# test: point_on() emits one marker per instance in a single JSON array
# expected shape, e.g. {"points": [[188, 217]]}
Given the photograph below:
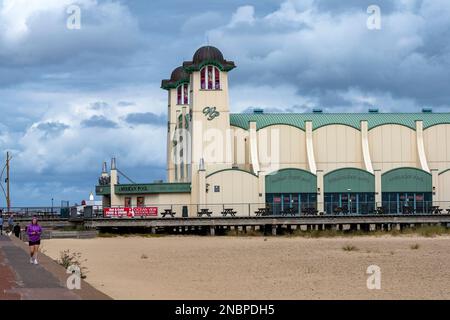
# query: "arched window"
{"points": [[210, 78], [183, 94]]}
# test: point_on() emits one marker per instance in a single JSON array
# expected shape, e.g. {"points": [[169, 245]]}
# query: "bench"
{"points": [[288, 211], [203, 212], [261, 212], [408, 210], [310, 211], [229, 211], [169, 212], [436, 210]]}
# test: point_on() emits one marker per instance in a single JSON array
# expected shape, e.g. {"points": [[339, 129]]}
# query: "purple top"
{"points": [[34, 232]]}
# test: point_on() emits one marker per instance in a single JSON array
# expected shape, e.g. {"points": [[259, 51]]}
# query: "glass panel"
{"points": [[140, 201], [186, 94], [295, 203], [202, 76], [210, 77], [217, 78], [179, 95], [276, 204]]}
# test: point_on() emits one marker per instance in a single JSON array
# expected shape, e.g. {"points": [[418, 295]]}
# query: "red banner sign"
{"points": [[130, 212]]}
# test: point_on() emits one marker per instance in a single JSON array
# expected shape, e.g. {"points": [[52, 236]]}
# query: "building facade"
{"points": [[298, 163]]}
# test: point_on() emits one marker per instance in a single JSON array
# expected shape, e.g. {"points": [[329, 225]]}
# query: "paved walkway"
{"points": [[21, 280]]}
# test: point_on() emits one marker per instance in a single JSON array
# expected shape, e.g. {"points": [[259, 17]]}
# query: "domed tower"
{"points": [[199, 105], [179, 91], [209, 109]]}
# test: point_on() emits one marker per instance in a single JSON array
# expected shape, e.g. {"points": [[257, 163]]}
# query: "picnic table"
{"points": [[408, 210], [338, 210], [287, 211], [436, 209], [229, 211], [203, 212], [310, 211], [169, 212], [262, 212]]}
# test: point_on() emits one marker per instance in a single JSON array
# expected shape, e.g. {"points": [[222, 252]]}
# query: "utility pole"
{"points": [[8, 196]]}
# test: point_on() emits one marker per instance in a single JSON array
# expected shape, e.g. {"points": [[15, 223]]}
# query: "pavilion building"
{"points": [[350, 162]]}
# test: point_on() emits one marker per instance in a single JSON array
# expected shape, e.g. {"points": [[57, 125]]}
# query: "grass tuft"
{"points": [[67, 259], [349, 248]]}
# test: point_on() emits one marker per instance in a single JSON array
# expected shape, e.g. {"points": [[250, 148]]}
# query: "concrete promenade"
{"points": [[21, 280]]}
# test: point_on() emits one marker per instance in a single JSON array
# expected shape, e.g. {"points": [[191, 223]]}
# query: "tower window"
{"points": [[210, 78], [183, 94]]}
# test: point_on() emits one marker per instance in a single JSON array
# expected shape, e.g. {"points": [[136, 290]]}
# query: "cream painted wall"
{"points": [[162, 201], [211, 139], [240, 148], [282, 144], [237, 190], [437, 146], [337, 146], [393, 146], [444, 189]]}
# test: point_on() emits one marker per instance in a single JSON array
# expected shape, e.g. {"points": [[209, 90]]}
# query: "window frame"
{"points": [[210, 78], [183, 94]]}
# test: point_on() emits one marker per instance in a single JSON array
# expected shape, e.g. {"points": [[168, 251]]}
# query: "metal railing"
{"points": [[294, 210], [239, 210], [28, 212]]}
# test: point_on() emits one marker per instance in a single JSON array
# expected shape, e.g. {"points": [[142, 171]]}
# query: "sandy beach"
{"points": [[186, 267]]}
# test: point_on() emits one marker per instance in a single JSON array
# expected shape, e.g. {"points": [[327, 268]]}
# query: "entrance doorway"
{"points": [[349, 203], [407, 202]]}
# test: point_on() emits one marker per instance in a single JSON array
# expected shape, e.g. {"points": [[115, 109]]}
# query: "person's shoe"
{"points": [[35, 261], [31, 260]]}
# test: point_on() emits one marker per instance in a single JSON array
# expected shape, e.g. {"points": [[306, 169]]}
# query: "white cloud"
{"points": [[319, 51], [68, 147], [35, 32], [244, 14], [301, 55]]}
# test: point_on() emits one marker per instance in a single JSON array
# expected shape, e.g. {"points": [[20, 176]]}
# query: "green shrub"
{"points": [[67, 259], [349, 248]]}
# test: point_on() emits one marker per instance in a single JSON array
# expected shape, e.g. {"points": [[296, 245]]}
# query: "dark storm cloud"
{"points": [[99, 122], [126, 104], [329, 51], [146, 118], [320, 50], [99, 105], [52, 129]]}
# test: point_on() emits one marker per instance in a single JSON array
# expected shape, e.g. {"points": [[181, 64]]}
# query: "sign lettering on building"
{"points": [[211, 113], [121, 212]]}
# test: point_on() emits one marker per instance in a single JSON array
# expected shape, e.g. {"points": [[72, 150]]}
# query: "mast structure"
{"points": [[8, 194]]}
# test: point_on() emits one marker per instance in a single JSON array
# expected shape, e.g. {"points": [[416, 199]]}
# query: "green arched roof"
{"points": [[349, 180], [291, 180], [349, 119], [406, 179]]}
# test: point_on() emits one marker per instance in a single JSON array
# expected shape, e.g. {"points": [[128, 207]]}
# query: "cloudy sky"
{"points": [[70, 99]]}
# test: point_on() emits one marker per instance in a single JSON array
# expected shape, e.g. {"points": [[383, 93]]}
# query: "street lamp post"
{"points": [[52, 206], [7, 181]]}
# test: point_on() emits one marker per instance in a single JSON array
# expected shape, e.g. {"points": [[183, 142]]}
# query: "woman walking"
{"points": [[34, 232]]}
